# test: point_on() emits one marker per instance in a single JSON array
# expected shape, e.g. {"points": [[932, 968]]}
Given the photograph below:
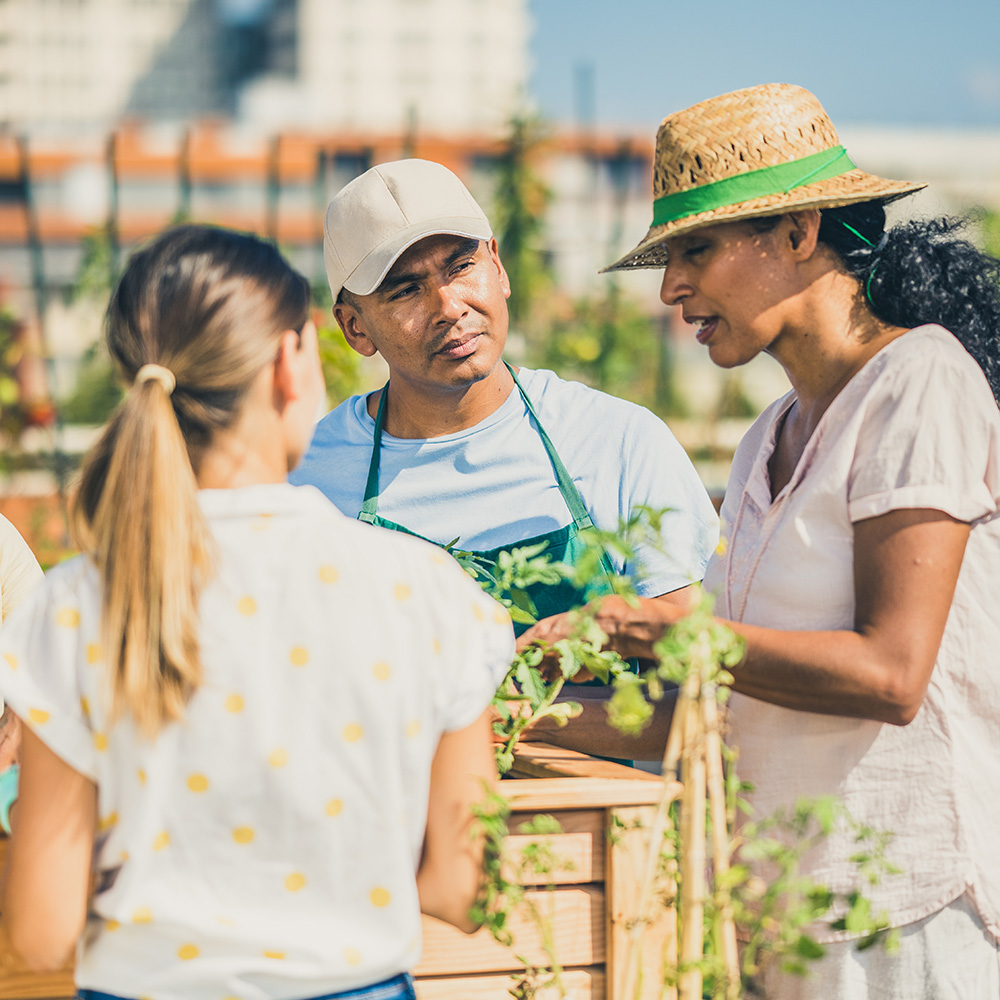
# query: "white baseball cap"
{"points": [[372, 220]]}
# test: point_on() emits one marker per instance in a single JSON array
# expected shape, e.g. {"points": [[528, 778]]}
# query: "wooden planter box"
{"points": [[590, 909]]}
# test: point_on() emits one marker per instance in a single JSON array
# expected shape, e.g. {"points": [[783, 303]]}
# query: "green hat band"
{"points": [[760, 183]]}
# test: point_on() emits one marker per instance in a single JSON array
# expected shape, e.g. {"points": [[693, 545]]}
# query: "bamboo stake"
{"points": [[692, 948], [683, 708], [720, 839]]}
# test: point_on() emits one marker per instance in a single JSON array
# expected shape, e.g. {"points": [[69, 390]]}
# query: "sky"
{"points": [[884, 62]]}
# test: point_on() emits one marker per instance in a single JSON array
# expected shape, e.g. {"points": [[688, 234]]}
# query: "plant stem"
{"points": [[720, 839], [693, 845]]}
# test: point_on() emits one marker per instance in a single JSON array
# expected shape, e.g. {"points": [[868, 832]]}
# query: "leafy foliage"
{"points": [[778, 916]]}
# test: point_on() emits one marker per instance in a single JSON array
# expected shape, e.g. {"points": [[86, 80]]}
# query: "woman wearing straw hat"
{"points": [[863, 554]]}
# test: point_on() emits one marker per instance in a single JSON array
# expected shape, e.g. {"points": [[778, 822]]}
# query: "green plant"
{"points": [[695, 659], [501, 896]]}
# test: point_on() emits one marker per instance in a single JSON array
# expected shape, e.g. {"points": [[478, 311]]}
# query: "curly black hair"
{"points": [[920, 272]]}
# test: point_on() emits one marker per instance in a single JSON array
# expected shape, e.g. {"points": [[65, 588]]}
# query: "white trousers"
{"points": [[946, 956]]}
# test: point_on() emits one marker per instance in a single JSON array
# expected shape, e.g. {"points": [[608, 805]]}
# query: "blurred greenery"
{"points": [[98, 388], [989, 224], [341, 364], [607, 340], [13, 416], [612, 345], [734, 403], [521, 198]]}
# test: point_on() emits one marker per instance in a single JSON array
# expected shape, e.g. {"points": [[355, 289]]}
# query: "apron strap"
{"points": [[567, 488], [570, 494], [369, 507]]}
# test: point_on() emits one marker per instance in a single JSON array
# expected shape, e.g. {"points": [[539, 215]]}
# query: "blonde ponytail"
{"points": [[201, 308]]}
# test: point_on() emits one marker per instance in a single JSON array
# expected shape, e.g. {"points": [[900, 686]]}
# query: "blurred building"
{"points": [[392, 65], [79, 65], [380, 65]]}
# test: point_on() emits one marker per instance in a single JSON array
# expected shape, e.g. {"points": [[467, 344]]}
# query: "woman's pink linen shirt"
{"points": [[917, 427]]}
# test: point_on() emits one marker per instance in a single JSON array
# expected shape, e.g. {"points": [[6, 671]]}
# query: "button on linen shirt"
{"points": [[266, 844], [917, 427]]}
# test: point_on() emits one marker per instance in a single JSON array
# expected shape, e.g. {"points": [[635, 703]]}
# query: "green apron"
{"points": [[563, 545]]}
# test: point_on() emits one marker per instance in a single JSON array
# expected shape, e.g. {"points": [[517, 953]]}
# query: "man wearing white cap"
{"points": [[457, 446]]}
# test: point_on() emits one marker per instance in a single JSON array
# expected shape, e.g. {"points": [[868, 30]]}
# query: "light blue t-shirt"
{"points": [[492, 484]]}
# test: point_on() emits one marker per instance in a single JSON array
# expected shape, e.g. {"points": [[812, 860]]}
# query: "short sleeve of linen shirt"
{"points": [[928, 436], [47, 632]]}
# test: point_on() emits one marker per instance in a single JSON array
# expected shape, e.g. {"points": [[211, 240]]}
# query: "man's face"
{"points": [[439, 319]]}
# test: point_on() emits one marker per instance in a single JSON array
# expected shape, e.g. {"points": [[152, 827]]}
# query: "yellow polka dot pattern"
{"points": [[142, 916], [437, 645], [188, 951], [380, 897], [68, 618], [246, 606], [100, 741], [94, 653], [141, 775], [85, 706], [500, 616], [353, 732], [197, 782], [402, 592], [243, 834], [278, 758], [162, 840], [352, 956], [274, 954], [106, 822], [477, 613], [334, 807], [234, 703], [38, 716], [299, 656], [381, 670], [413, 729], [295, 881], [11, 660], [111, 925], [328, 574]]}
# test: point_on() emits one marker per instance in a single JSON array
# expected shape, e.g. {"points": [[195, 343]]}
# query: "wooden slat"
{"points": [[627, 857], [581, 844], [577, 919], [546, 795], [579, 984], [18, 984], [540, 760]]}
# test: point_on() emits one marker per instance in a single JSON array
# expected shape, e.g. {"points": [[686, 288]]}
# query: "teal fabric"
{"points": [[9, 781]]}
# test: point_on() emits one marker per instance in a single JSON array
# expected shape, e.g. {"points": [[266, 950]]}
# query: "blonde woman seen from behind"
{"points": [[264, 720]]}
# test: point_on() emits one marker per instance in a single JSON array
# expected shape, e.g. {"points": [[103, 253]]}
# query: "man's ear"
{"points": [[803, 232], [495, 256], [353, 327]]}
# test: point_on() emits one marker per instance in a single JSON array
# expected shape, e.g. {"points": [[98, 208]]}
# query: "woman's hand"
{"points": [[632, 627]]}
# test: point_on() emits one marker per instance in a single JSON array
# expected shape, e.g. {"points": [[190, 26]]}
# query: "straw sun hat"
{"points": [[755, 152]]}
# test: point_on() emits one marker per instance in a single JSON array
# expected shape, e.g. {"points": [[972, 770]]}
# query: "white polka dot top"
{"points": [[266, 845]]}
